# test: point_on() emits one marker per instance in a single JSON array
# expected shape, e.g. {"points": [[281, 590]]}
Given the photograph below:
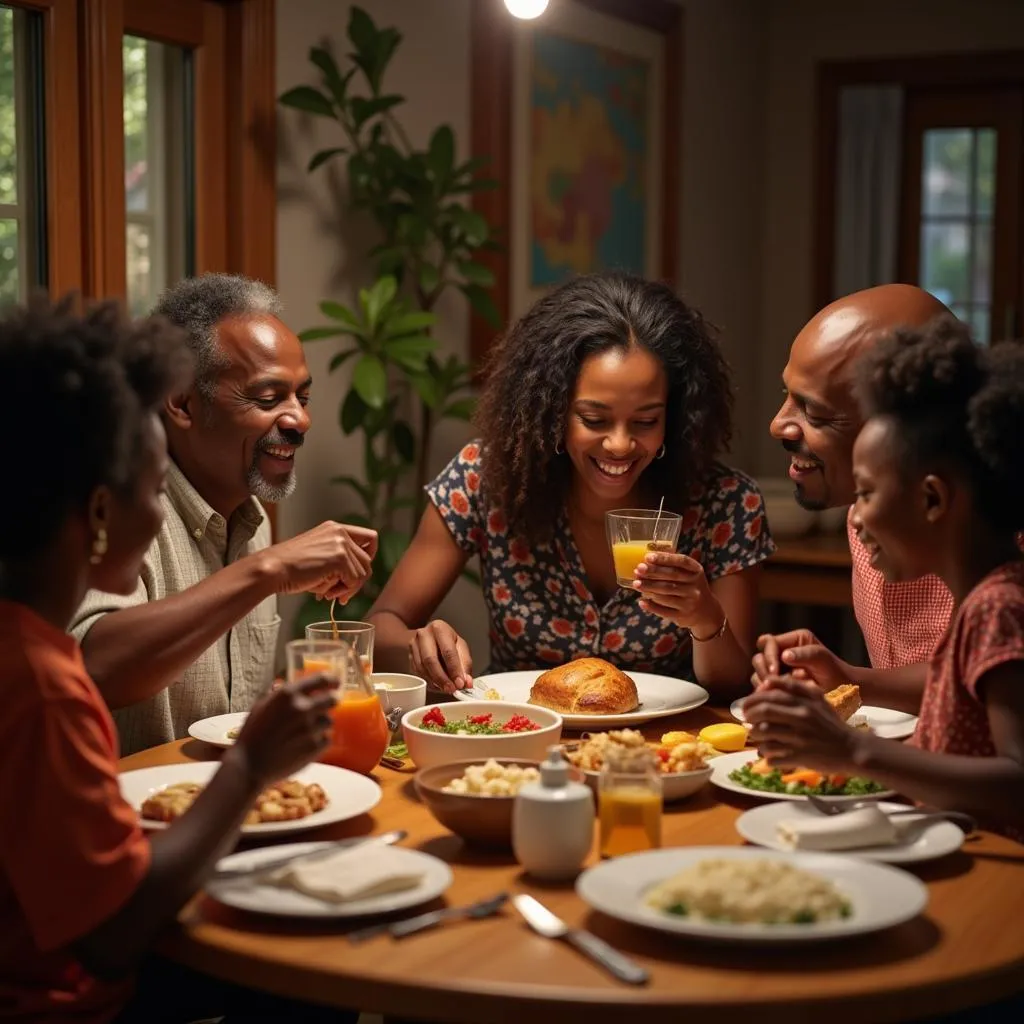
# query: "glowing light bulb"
{"points": [[526, 8]]}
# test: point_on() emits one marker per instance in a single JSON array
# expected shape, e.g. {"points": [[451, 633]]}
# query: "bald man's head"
{"points": [[819, 418]]}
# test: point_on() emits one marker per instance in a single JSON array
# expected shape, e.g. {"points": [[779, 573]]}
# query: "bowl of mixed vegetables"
{"points": [[442, 733]]}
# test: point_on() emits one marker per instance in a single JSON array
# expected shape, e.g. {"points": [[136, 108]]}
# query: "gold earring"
{"points": [[99, 547]]}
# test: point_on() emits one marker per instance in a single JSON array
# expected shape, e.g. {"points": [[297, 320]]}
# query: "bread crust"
{"points": [[587, 686]]}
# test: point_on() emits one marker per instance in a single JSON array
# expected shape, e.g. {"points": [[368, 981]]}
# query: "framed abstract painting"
{"points": [[578, 113]]}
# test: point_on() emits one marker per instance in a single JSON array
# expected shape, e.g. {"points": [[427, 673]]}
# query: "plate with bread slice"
{"points": [[591, 693], [845, 699]]}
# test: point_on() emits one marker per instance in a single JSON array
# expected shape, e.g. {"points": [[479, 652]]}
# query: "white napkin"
{"points": [[865, 826], [370, 869]]}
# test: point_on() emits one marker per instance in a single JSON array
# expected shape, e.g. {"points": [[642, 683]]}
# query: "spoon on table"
{"points": [[830, 808]]}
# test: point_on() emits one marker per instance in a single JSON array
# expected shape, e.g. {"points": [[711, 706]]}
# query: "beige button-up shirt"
{"points": [[193, 543]]}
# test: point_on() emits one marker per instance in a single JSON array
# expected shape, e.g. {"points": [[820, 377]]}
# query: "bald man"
{"points": [[817, 424]]}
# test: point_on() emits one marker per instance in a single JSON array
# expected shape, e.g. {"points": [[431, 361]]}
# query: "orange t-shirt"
{"points": [[71, 851]]}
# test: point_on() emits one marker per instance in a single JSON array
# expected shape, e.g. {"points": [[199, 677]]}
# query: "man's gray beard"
{"points": [[261, 488]]}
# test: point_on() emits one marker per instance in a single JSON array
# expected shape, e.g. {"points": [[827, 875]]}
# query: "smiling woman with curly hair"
{"points": [[610, 393]]}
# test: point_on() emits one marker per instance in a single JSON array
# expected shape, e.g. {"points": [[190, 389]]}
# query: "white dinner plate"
{"points": [[884, 722], [881, 896], [348, 793], [937, 839], [250, 894], [723, 765], [215, 730], [659, 696]]}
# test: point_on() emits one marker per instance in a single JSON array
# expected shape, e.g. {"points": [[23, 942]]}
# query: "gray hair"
{"points": [[198, 304]]}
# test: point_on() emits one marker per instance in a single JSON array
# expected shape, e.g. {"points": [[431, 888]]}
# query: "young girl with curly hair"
{"points": [[609, 393], [937, 468]]}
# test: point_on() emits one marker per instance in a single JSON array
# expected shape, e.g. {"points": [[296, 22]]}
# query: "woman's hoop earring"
{"points": [[661, 453], [99, 547], [558, 448]]}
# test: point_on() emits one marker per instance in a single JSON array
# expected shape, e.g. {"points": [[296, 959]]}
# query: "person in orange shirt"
{"points": [[83, 893]]}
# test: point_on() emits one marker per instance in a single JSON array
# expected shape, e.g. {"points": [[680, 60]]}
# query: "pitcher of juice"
{"points": [[629, 802], [360, 730]]}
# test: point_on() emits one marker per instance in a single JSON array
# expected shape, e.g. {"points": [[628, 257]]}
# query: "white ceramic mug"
{"points": [[398, 690]]}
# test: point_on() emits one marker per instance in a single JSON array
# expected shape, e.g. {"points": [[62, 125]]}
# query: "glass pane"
{"points": [[945, 261], [946, 171], [157, 168], [982, 277], [22, 230], [985, 178]]}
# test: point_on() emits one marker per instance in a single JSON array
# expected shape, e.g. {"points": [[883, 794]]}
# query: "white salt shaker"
{"points": [[553, 821]]}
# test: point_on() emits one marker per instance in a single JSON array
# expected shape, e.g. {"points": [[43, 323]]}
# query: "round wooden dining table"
{"points": [[965, 950]]}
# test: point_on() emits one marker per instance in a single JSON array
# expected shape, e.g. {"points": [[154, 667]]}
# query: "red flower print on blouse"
{"points": [[754, 527], [496, 522], [666, 645], [470, 453], [689, 521], [476, 537], [752, 502], [553, 587], [514, 626], [613, 641], [523, 580], [561, 627], [501, 593], [520, 551], [722, 534], [590, 616], [460, 502], [549, 654], [472, 481], [730, 483], [581, 590]]}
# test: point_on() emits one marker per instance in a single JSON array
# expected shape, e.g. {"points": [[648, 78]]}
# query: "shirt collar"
{"points": [[197, 514]]}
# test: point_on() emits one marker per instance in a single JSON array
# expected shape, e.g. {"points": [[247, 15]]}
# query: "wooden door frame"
{"points": [[491, 60], [941, 71]]}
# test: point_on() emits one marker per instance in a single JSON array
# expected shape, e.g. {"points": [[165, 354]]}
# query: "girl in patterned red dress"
{"points": [[610, 393], [939, 468]]}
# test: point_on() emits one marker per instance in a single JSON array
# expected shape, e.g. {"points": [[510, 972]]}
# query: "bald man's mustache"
{"points": [[797, 449]]}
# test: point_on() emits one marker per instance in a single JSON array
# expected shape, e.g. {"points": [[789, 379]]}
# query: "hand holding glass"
{"points": [[633, 532]]}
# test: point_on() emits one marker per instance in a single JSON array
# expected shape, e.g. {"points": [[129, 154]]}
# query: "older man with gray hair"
{"points": [[198, 636]]}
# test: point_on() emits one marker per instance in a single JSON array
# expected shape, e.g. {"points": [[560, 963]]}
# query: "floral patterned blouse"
{"points": [[540, 605]]}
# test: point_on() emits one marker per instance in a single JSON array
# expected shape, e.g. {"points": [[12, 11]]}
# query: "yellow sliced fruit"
{"points": [[673, 739], [725, 736]]}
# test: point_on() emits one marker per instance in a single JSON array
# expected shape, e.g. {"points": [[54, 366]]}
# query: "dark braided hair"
{"points": [[81, 388], [958, 405], [532, 373]]}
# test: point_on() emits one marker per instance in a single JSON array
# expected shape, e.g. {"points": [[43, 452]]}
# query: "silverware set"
{"points": [[922, 815]]}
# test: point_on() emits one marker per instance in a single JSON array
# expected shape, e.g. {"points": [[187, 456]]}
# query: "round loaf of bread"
{"points": [[587, 686]]}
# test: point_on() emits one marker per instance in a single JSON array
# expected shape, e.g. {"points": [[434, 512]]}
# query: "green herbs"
{"points": [[772, 782], [399, 751]]}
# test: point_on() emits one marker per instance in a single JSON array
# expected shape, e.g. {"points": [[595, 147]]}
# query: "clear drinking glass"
{"points": [[360, 731], [359, 635], [632, 532], [629, 803]]}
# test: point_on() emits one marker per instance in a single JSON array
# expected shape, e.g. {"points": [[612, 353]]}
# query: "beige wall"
{"points": [[801, 33]]}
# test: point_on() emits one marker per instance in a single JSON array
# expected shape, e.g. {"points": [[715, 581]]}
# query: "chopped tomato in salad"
{"points": [[476, 725]]}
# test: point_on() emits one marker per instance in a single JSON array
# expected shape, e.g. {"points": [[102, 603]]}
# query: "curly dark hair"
{"points": [[957, 405], [532, 372], [81, 387]]}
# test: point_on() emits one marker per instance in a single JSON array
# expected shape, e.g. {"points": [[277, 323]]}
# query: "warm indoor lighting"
{"points": [[526, 8]]}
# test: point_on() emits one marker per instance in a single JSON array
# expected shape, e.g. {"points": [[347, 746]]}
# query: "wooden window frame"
{"points": [[945, 71]]}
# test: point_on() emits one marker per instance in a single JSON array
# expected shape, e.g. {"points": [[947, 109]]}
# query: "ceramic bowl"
{"points": [[399, 690], [427, 748], [479, 820], [674, 785]]}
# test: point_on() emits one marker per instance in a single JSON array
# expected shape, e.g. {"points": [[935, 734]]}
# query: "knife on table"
{"points": [[265, 866], [541, 920]]}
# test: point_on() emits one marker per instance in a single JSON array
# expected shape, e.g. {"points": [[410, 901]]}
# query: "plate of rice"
{"points": [[736, 894]]}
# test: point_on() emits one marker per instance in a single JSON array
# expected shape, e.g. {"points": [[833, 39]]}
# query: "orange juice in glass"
{"points": [[359, 635], [633, 532], [359, 733], [629, 804]]}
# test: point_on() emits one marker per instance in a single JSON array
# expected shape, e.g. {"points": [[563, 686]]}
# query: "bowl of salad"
{"points": [[478, 730]]}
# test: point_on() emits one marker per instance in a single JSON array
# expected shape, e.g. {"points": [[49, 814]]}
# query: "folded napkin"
{"points": [[865, 826], [370, 869]]}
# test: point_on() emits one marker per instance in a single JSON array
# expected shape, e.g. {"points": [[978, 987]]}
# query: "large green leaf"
{"points": [[339, 358], [316, 333], [426, 387], [481, 301], [370, 381], [305, 97], [472, 225], [374, 300], [384, 49], [405, 441], [412, 348], [336, 311], [328, 66], [477, 273], [353, 412], [323, 156], [461, 409], [441, 154], [393, 544], [361, 30], [363, 109], [409, 323]]}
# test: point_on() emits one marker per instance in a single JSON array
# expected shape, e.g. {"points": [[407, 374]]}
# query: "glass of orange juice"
{"points": [[629, 803], [632, 532], [359, 635], [360, 732]]}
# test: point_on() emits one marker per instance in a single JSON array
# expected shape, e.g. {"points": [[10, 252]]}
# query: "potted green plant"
{"points": [[429, 240]]}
